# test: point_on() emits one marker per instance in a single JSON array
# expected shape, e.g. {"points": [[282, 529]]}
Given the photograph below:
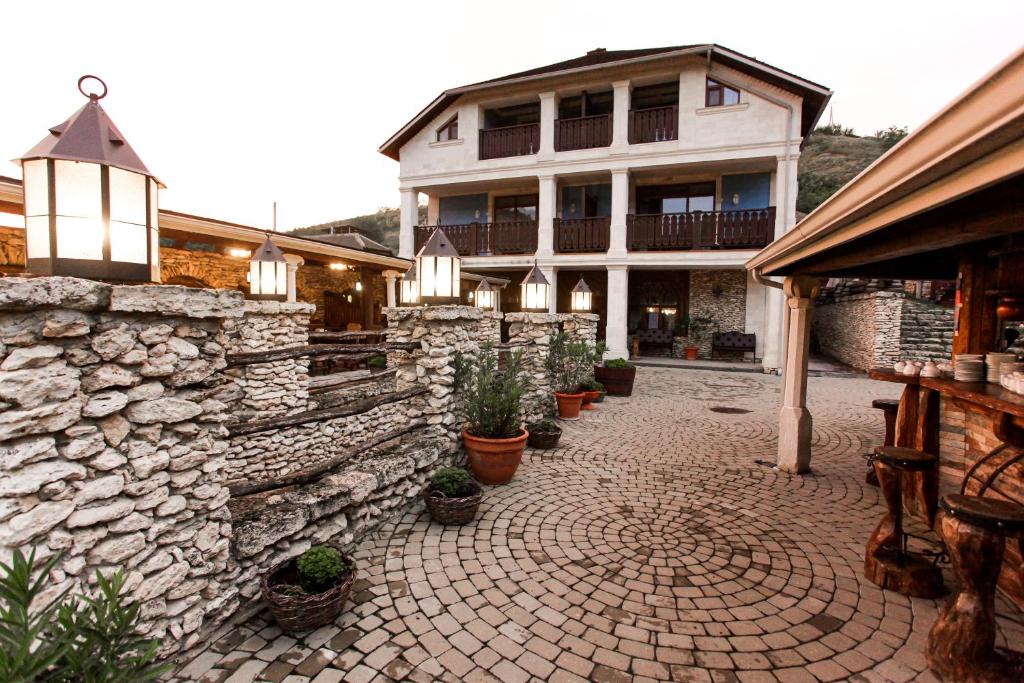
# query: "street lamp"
{"points": [[90, 203], [268, 273], [438, 270], [581, 298], [484, 295], [535, 291], [410, 288]]}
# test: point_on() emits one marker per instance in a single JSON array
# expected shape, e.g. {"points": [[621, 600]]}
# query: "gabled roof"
{"points": [[353, 240], [815, 96]]}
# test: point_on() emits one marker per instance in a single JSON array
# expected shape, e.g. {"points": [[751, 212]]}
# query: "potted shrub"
{"points": [[568, 365], [492, 405], [591, 389], [697, 329], [544, 433], [617, 375], [308, 591], [452, 497]]}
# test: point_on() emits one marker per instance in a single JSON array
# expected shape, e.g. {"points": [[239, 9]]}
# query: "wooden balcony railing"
{"points": [[483, 239], [509, 141], [747, 229], [653, 125], [574, 235], [586, 132]]}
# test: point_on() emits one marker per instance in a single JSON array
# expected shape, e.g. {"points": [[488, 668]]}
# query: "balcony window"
{"points": [[515, 208], [586, 201], [663, 199], [718, 95], [449, 131], [585, 104]]}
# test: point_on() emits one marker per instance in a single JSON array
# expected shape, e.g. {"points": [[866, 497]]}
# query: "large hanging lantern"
{"points": [[410, 288], [535, 291], [90, 203], [438, 270], [268, 273], [484, 295], [581, 298]]}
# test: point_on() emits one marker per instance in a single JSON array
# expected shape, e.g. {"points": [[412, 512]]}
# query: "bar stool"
{"points": [[889, 407], [961, 644], [887, 561]]}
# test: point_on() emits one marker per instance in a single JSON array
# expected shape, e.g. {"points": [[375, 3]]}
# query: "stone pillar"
{"points": [[409, 210], [794, 418], [294, 262], [391, 278], [620, 117], [548, 114], [547, 202], [532, 332], [620, 207], [580, 326], [617, 299]]}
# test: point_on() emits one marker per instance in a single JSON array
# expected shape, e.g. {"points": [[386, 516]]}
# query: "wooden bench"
{"points": [[733, 341]]}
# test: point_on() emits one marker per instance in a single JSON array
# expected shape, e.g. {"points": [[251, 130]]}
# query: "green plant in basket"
{"points": [[377, 362], [320, 568], [617, 363], [453, 482]]}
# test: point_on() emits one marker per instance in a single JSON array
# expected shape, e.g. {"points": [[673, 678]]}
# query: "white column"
{"points": [[293, 263], [620, 207], [547, 186], [391, 277], [551, 273], [620, 117], [548, 113], [794, 418], [617, 300], [409, 210]]}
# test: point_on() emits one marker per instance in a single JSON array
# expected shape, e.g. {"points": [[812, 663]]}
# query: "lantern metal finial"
{"points": [[91, 95]]}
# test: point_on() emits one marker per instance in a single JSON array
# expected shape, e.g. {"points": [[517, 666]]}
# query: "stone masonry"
{"points": [[532, 332], [720, 295]]}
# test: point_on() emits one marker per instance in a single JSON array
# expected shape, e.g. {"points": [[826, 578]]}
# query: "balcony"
{"points": [[578, 235], [486, 239], [509, 141], [586, 132], [653, 125], [749, 229]]}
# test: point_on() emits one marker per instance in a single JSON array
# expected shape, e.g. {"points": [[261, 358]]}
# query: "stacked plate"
{"points": [[970, 367], [993, 365]]}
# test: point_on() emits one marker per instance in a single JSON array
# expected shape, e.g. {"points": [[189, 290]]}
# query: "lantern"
{"points": [[581, 298], [410, 288], [268, 273], [90, 202], [484, 295], [438, 270], [535, 291]]}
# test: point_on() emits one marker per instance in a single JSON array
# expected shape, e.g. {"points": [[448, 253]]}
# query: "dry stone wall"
{"points": [[532, 332], [721, 296]]}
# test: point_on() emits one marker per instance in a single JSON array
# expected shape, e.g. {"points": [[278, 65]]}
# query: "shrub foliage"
{"points": [[453, 482], [320, 568], [492, 392]]}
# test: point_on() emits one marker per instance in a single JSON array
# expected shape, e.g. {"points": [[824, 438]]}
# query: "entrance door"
{"points": [[342, 309]]}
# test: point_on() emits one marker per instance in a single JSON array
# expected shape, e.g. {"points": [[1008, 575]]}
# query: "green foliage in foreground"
{"points": [[617, 363], [453, 482], [320, 568], [492, 391]]}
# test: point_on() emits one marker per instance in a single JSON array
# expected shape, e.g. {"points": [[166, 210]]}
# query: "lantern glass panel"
{"points": [[425, 276], [79, 210], [485, 299], [127, 197], [37, 188], [410, 291], [282, 279], [443, 276], [154, 254], [154, 209], [535, 297], [127, 242], [37, 234]]}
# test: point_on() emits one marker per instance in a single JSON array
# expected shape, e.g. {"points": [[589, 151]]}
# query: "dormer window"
{"points": [[449, 131], [718, 95]]}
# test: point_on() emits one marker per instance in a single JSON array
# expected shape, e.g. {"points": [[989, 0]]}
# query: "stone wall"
{"points": [[580, 326], [720, 295], [532, 332], [111, 446], [209, 268], [926, 330]]}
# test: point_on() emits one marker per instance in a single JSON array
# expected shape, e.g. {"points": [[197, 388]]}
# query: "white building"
{"points": [[655, 174]]}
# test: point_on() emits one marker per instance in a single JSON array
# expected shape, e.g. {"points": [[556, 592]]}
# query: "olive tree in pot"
{"points": [[310, 590], [452, 497], [697, 329], [568, 365], [492, 395]]}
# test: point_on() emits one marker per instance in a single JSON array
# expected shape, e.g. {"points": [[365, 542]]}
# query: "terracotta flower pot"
{"points": [[588, 399], [691, 352], [569, 405], [616, 381], [494, 461]]}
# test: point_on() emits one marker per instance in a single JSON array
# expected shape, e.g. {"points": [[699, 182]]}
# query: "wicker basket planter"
{"points": [[544, 440], [452, 511], [295, 613]]}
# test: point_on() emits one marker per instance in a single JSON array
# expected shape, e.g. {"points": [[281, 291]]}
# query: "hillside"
{"points": [[381, 226]]}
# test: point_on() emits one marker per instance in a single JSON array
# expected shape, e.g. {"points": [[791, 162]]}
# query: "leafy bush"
{"points": [[617, 363], [71, 638], [545, 426], [836, 129], [320, 568], [891, 135], [569, 363], [697, 327], [492, 392], [453, 482], [377, 362]]}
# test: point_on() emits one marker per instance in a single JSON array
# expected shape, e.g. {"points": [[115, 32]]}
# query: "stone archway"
{"points": [[187, 281], [185, 274]]}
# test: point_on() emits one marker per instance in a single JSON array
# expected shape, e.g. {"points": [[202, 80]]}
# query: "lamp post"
{"points": [[90, 203], [581, 298], [438, 270], [484, 295], [535, 291], [268, 273]]}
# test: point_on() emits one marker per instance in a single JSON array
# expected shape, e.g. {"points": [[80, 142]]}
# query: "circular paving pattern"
{"points": [[651, 545]]}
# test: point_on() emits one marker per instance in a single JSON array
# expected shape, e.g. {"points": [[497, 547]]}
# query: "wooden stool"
{"points": [[887, 562], [889, 407], [961, 644]]}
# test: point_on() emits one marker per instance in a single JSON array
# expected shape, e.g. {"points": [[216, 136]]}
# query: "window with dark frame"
{"points": [[449, 131], [515, 208], [718, 95]]}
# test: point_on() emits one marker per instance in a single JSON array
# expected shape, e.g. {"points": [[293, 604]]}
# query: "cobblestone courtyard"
{"points": [[652, 545]]}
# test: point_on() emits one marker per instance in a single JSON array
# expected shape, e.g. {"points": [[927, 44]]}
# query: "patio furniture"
{"points": [[733, 341], [889, 407], [961, 644], [887, 561]]}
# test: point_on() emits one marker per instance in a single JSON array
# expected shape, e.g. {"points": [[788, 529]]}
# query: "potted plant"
{"points": [[591, 389], [601, 392], [544, 433], [697, 329], [452, 497], [617, 375], [568, 365], [308, 591], [491, 403]]}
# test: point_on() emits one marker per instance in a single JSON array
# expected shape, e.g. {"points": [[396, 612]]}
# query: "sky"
{"points": [[235, 105]]}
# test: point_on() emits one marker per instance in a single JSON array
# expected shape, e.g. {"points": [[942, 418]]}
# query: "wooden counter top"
{"points": [[991, 396]]}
